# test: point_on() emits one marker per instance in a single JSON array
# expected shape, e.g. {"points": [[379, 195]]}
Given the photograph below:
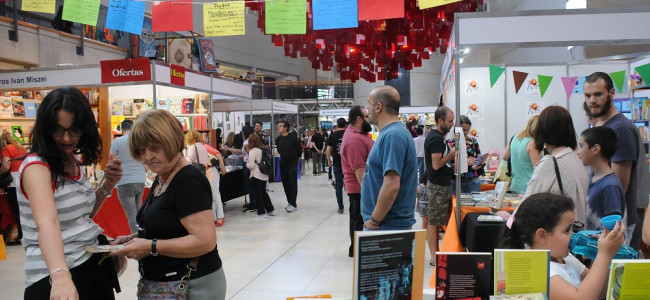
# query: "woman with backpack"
{"points": [[258, 179]]}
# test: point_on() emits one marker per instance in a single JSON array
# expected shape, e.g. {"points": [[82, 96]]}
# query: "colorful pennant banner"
{"points": [[619, 80], [44, 6], [171, 16], [333, 14], [424, 4], [81, 11], [569, 83], [544, 82], [286, 17], [224, 18], [125, 15], [380, 9], [519, 78], [644, 71], [495, 73]]}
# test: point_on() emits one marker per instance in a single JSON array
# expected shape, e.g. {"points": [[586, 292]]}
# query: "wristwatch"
{"points": [[154, 251], [104, 191]]}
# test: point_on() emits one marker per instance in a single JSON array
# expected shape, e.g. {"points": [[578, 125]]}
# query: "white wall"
{"points": [[425, 81]]}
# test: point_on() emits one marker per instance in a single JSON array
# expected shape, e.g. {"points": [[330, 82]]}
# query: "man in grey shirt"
{"points": [[131, 186]]}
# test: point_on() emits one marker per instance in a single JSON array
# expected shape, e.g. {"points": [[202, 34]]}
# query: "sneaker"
{"points": [[290, 208], [262, 216], [329, 181], [432, 263], [333, 183], [271, 213], [340, 211], [250, 209], [245, 205], [268, 189]]}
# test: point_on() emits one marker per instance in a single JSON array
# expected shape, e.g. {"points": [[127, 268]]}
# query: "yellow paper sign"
{"points": [[45, 6], [424, 4], [224, 18]]}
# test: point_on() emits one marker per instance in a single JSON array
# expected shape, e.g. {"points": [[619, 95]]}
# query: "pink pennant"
{"points": [[569, 83]]}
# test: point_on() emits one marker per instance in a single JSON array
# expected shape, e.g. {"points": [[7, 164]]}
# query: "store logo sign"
{"points": [[177, 75], [125, 70]]}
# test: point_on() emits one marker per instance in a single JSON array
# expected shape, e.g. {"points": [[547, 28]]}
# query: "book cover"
{"points": [[30, 109], [184, 122], [18, 134], [202, 103], [163, 104], [389, 264], [188, 106], [127, 107], [148, 104], [18, 106], [628, 279], [463, 275], [646, 107], [176, 106], [206, 55], [521, 271], [530, 296], [117, 108], [138, 106]]}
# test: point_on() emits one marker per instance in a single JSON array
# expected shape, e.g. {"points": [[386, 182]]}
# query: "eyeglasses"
{"points": [[73, 132]]}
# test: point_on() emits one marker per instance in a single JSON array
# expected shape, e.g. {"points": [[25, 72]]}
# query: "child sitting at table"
{"points": [[545, 221], [596, 147]]}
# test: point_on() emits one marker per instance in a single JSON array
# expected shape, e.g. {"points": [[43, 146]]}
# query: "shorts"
{"points": [[439, 204], [423, 202]]}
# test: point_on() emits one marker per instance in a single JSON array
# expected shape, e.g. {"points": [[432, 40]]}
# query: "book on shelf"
{"points": [[646, 107], [138, 106], [18, 134], [529, 296], [148, 103], [176, 106], [521, 271], [117, 108], [188, 106], [163, 103], [203, 103], [628, 279], [5, 126], [463, 275], [30, 109], [127, 107], [18, 106], [389, 263]]}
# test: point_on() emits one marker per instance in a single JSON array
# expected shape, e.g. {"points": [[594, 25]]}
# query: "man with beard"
{"points": [[355, 148], [390, 180], [599, 92], [437, 157]]}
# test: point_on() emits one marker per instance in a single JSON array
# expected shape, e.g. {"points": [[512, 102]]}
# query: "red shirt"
{"points": [[355, 149], [12, 152]]}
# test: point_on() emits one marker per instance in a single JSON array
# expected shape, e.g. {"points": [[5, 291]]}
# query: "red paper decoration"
{"points": [[376, 49]]}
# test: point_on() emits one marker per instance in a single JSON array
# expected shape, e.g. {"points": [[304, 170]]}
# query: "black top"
{"points": [[262, 138], [289, 148], [435, 143], [318, 140], [188, 192], [238, 141], [335, 140]]}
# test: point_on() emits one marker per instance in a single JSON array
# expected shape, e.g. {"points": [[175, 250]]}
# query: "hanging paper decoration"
{"points": [[424, 4], [544, 82], [224, 18], [125, 15], [619, 80], [644, 71], [81, 11], [495, 73], [44, 6], [173, 15], [380, 9], [333, 14], [569, 83], [286, 16], [376, 55], [519, 78]]}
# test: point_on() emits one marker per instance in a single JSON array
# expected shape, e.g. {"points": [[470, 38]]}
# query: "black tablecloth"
{"points": [[480, 236], [232, 185]]}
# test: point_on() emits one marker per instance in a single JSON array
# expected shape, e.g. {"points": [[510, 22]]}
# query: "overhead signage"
{"points": [[177, 75], [126, 70]]}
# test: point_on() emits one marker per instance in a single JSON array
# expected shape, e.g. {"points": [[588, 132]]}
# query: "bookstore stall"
{"points": [[327, 117], [223, 110], [420, 116]]}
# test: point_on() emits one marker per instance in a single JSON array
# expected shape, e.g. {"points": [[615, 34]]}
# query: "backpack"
{"points": [[265, 165]]}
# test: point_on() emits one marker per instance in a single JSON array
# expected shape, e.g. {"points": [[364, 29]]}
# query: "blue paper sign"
{"points": [[332, 14], [125, 15]]}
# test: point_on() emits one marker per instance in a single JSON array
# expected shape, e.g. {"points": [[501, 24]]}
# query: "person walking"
{"points": [[334, 160], [290, 151]]}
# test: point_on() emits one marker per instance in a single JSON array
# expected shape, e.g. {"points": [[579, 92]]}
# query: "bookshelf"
{"points": [[638, 111]]}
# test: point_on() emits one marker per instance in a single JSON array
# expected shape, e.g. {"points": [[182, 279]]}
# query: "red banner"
{"points": [[177, 75], [125, 70]]}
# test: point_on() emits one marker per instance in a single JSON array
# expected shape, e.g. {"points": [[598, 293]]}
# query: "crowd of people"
{"points": [[564, 181]]}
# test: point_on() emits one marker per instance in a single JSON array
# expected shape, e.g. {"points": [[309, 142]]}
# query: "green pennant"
{"points": [[495, 73], [619, 79], [644, 71], [544, 82]]}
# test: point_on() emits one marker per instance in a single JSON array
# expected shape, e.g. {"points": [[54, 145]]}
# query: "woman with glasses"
{"points": [[470, 181], [176, 223], [57, 202]]}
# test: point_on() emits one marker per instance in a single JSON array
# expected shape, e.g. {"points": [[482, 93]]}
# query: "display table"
{"points": [[278, 176], [232, 185], [480, 236]]}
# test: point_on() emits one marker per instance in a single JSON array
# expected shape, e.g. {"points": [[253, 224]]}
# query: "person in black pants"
{"points": [[290, 151]]}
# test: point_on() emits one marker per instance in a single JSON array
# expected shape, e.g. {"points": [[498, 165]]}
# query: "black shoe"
{"points": [[340, 211], [250, 209], [13, 243], [246, 205]]}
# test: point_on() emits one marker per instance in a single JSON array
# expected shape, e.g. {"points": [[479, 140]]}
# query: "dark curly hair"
{"points": [[43, 144], [541, 210]]}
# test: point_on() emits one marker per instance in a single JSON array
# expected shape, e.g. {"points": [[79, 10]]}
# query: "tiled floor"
{"points": [[302, 253]]}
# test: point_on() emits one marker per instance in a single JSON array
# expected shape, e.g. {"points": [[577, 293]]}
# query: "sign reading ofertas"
{"points": [[126, 70]]}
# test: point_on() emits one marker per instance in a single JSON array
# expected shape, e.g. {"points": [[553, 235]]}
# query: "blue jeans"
{"points": [[421, 166], [338, 177], [467, 186]]}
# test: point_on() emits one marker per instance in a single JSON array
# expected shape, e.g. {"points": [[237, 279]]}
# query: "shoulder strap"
{"points": [[197, 153], [557, 175]]}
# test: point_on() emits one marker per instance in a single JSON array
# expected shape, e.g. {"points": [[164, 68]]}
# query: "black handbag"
{"points": [[6, 179], [197, 164]]}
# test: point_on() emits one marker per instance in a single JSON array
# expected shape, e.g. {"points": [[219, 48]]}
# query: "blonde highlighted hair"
{"points": [[529, 131], [6, 138], [156, 127], [192, 137]]}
